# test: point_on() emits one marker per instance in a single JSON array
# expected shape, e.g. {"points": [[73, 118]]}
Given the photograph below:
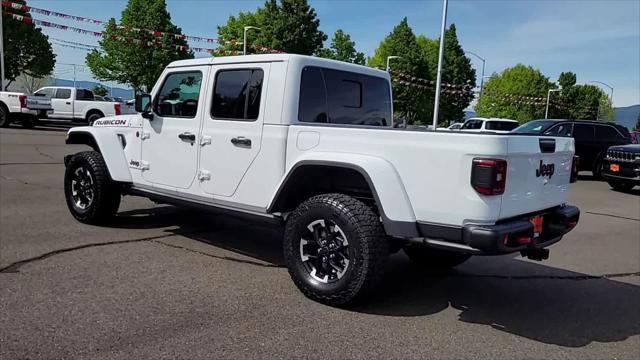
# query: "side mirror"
{"points": [[143, 105]]}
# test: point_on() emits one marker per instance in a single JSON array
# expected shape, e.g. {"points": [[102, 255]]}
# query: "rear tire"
{"points": [[597, 169], [335, 249], [623, 186], [434, 259], [28, 122], [91, 118], [92, 197], [4, 117]]}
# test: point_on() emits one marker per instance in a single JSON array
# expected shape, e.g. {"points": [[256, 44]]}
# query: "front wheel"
{"points": [[92, 197], [621, 185], [335, 248], [434, 259]]}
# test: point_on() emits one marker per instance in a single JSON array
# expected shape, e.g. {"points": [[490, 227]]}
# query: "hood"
{"points": [[118, 121], [633, 148]]}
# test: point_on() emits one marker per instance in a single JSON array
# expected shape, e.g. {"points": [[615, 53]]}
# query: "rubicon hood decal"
{"points": [[111, 122]]}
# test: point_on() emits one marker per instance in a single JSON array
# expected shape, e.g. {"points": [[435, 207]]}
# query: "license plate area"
{"points": [[614, 167], [537, 222]]}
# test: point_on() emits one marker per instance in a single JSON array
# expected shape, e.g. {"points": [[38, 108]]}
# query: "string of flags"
{"points": [[45, 12]]}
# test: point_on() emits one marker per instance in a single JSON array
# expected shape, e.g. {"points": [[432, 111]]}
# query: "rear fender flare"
{"points": [[384, 181], [106, 142]]}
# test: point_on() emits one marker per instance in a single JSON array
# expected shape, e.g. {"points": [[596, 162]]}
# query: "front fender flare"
{"points": [[384, 181], [105, 141]]}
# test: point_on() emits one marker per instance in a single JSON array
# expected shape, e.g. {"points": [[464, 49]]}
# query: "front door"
{"points": [[170, 140], [232, 128]]}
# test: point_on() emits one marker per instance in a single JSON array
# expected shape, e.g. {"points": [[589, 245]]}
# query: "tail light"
{"points": [[117, 108], [23, 101], [489, 176], [574, 168]]}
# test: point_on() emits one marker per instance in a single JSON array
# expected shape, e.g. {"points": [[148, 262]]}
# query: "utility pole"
{"points": [[1, 49], [244, 38], [436, 107]]}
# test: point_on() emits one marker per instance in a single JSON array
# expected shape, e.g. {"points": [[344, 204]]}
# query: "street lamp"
{"points": [[391, 57], [481, 76], [607, 85], [244, 39], [546, 112]]}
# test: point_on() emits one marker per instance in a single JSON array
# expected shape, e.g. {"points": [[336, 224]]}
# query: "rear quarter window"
{"points": [[501, 125], [342, 97]]}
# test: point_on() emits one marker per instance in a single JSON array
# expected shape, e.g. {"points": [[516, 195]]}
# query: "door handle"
{"points": [[187, 136], [241, 141], [68, 103]]}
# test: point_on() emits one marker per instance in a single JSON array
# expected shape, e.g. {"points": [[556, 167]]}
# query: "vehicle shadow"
{"points": [[531, 300], [548, 305], [44, 125]]}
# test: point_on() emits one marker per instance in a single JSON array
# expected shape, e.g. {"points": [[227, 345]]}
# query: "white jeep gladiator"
{"points": [[308, 143]]}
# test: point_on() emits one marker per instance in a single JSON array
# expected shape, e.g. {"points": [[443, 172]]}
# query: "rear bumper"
{"points": [[502, 238]]}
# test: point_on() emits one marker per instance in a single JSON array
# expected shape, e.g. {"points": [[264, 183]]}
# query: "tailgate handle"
{"points": [[548, 145]]}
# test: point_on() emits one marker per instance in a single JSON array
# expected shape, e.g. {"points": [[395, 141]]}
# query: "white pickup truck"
{"points": [[308, 143], [78, 104], [23, 108]]}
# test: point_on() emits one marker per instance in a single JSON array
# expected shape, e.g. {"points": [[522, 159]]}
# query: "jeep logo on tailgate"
{"points": [[545, 170]]}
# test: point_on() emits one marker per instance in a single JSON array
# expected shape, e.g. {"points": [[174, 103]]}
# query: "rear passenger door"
{"points": [[232, 126]]}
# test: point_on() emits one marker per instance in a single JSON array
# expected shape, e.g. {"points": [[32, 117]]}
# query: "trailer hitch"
{"points": [[535, 254]]}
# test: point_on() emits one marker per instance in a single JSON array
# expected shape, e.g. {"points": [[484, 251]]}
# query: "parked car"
{"points": [[455, 126], [255, 136], [635, 137], [78, 104], [622, 167], [23, 108], [593, 138], [493, 125]]}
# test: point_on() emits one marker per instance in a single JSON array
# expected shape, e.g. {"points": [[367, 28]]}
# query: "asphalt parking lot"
{"points": [[165, 282]]}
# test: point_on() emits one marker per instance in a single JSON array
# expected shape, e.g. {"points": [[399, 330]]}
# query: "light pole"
{"points": [[610, 98], [391, 57], [481, 76], [436, 105], [546, 112], [1, 50], [244, 39]]}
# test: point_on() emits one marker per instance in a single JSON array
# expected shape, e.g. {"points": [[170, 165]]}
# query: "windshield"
{"points": [[501, 125], [534, 127]]}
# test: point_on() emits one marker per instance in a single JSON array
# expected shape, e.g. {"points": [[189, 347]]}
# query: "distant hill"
{"points": [[119, 92], [627, 116]]}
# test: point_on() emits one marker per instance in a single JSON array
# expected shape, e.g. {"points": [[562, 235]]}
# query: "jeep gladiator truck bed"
{"points": [[308, 142]]}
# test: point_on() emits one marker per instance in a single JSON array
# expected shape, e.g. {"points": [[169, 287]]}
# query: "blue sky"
{"points": [[597, 39]]}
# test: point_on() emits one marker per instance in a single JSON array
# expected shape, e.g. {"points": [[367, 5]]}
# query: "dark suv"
{"points": [[592, 138], [622, 167]]}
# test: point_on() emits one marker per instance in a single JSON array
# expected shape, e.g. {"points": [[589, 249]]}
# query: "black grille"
{"points": [[622, 156]]}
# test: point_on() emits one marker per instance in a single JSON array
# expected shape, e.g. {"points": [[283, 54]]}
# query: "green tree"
{"points": [[26, 48], [456, 69], [291, 26], [508, 94], [567, 80], [586, 102], [342, 49], [138, 58], [100, 90], [410, 102]]}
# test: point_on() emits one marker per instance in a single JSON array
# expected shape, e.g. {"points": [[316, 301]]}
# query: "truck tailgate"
{"points": [[538, 175]]}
